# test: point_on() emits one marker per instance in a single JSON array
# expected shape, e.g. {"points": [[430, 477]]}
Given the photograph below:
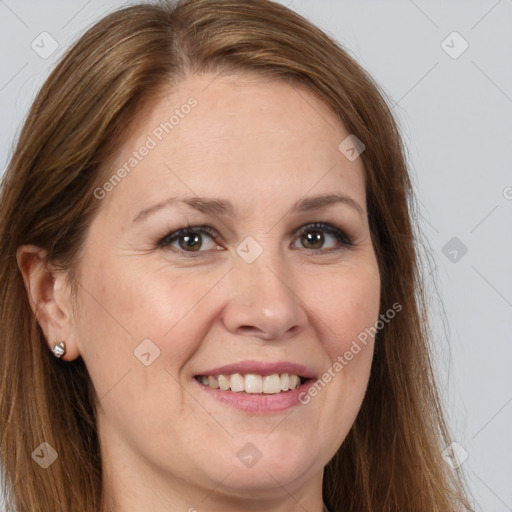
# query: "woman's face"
{"points": [[259, 290]]}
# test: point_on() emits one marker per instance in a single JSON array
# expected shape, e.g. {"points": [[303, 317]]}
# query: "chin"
{"points": [[265, 480], [264, 471]]}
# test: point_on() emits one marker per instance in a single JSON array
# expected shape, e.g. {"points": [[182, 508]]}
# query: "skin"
{"points": [[263, 146]]}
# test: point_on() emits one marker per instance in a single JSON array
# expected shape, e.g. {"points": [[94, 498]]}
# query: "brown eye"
{"points": [[314, 236], [313, 239], [190, 239]]}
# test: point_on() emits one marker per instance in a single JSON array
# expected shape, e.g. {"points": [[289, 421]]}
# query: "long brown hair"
{"points": [[391, 459]]}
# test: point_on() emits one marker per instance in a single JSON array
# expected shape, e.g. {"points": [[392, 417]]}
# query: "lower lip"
{"points": [[258, 403]]}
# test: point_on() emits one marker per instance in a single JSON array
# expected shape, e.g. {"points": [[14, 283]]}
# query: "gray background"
{"points": [[456, 119]]}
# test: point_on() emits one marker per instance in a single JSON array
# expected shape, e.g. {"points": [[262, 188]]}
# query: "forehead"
{"points": [[234, 136]]}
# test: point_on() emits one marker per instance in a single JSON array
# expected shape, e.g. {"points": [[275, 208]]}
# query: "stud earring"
{"points": [[59, 349]]}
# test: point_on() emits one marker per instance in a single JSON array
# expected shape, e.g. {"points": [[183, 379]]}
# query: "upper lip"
{"points": [[261, 368]]}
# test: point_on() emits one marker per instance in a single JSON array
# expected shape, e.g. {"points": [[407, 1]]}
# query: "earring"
{"points": [[59, 349]]}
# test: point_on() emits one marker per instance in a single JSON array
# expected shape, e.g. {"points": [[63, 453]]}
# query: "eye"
{"points": [[189, 239], [313, 236]]}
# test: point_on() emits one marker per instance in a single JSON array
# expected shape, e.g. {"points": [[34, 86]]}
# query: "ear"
{"points": [[49, 297]]}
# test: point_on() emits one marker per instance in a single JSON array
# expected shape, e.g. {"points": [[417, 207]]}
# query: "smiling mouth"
{"points": [[252, 383]]}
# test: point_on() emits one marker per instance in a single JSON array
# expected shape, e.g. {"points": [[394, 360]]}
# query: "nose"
{"points": [[264, 302]]}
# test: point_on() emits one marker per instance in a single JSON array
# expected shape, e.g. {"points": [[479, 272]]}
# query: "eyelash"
{"points": [[339, 235]]}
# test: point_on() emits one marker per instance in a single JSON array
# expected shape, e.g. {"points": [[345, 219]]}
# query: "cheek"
{"points": [[132, 303], [347, 311], [346, 306], [136, 335]]}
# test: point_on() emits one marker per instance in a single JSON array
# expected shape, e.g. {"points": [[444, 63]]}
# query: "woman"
{"points": [[212, 298]]}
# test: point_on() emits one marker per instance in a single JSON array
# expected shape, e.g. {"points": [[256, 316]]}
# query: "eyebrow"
{"points": [[222, 207]]}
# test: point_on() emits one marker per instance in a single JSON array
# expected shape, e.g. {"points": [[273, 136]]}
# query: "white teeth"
{"points": [[213, 382], [223, 382], [272, 384], [285, 382], [237, 383], [294, 381], [252, 383]]}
